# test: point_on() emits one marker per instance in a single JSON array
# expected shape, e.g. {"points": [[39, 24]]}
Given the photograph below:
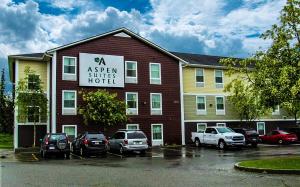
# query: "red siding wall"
{"points": [[136, 50]]}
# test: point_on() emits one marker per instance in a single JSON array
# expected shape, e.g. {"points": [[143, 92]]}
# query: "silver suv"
{"points": [[128, 140]]}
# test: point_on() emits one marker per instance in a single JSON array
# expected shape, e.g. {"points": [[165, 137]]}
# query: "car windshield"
{"points": [[251, 132], [57, 137], [283, 132], [95, 136], [136, 135], [224, 130]]}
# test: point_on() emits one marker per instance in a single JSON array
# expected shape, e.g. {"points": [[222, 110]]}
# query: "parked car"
{"points": [[221, 137], [251, 136], [128, 140], [279, 136], [90, 143], [56, 144], [294, 130]]}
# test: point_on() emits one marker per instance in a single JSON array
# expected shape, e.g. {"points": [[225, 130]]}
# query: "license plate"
{"points": [[51, 147], [137, 142], [96, 143], [254, 139]]}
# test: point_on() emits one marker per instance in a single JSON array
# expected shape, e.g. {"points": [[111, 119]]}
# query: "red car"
{"points": [[279, 136]]}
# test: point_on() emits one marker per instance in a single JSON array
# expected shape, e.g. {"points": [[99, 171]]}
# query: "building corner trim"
{"points": [[16, 128], [53, 95], [181, 104]]}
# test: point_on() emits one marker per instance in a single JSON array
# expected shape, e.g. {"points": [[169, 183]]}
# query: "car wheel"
{"points": [[67, 155], [280, 141], [197, 143], [44, 154], [142, 152], [222, 145], [121, 150]]}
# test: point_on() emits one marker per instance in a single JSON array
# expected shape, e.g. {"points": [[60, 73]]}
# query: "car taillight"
{"points": [[67, 138], [85, 141], [125, 141]]}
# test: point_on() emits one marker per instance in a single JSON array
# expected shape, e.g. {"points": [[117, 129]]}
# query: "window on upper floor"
{"points": [[69, 68], [131, 72], [199, 77], [132, 103], [219, 78], [201, 105], [33, 114], [33, 81], [276, 110], [156, 103], [69, 102], [155, 73], [220, 105]]}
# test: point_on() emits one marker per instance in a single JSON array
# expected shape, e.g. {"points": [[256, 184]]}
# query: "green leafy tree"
{"points": [[275, 73], [103, 108], [31, 100], [2, 101]]}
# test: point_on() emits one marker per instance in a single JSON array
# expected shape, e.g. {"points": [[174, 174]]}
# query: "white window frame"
{"points": [[218, 111], [63, 128], [201, 111], [257, 130], [132, 111], [276, 111], [162, 134], [129, 79], [28, 116], [150, 74], [156, 111], [71, 76], [64, 109], [199, 84], [32, 82], [205, 124], [221, 124], [219, 85], [136, 125]]}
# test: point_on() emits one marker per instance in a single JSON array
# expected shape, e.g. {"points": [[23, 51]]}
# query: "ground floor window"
{"points": [[261, 128], [132, 126], [221, 124], [201, 127], [157, 134], [70, 130]]}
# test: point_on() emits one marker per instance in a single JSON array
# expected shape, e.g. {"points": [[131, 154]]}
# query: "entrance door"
{"points": [[261, 128], [157, 134]]}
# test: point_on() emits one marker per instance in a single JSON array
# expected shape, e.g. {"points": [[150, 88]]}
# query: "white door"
{"points": [[157, 134]]}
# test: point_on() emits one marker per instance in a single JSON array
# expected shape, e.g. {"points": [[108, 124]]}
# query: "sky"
{"points": [[213, 27]]}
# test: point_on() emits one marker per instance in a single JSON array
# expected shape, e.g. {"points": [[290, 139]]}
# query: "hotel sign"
{"points": [[99, 70]]}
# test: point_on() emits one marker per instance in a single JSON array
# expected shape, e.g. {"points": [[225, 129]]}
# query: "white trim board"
{"points": [[53, 96], [237, 120], [206, 94], [181, 104], [16, 135]]}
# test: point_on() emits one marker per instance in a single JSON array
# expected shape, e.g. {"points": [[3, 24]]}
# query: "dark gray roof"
{"points": [[199, 59], [31, 55]]}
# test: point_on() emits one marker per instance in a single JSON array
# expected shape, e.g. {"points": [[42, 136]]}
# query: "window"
{"points": [[132, 126], [69, 102], [156, 106], [155, 74], [199, 77], [131, 72], [33, 81], [201, 127], [221, 124], [276, 110], [219, 78], [261, 129], [70, 130], [33, 114], [132, 103], [220, 105], [201, 105], [69, 68]]}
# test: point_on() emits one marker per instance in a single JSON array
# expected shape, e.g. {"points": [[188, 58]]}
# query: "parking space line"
{"points": [[81, 158], [34, 157], [115, 154], [177, 150]]}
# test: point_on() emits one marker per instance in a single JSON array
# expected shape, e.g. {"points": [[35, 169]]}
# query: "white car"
{"points": [[221, 137]]}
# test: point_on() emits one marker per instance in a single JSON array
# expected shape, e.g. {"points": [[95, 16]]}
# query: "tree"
{"points": [[2, 100], [31, 100], [103, 108], [275, 72]]}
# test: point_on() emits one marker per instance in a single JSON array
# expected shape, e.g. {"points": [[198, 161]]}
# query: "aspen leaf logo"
{"points": [[100, 61]]}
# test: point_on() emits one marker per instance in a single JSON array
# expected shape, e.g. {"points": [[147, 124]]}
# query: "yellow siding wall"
{"points": [[39, 67]]}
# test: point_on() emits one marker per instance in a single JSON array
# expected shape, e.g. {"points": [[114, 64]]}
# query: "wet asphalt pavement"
{"points": [[188, 166]]}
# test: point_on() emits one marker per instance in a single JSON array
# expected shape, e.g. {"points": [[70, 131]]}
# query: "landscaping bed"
{"points": [[287, 165], [6, 141]]}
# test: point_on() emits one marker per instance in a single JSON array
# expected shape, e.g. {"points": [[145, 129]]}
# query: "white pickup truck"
{"points": [[218, 136]]}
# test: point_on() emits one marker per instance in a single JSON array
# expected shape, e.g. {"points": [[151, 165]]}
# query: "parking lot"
{"points": [[205, 166]]}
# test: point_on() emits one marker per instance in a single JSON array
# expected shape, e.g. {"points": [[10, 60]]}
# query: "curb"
{"points": [[266, 170]]}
